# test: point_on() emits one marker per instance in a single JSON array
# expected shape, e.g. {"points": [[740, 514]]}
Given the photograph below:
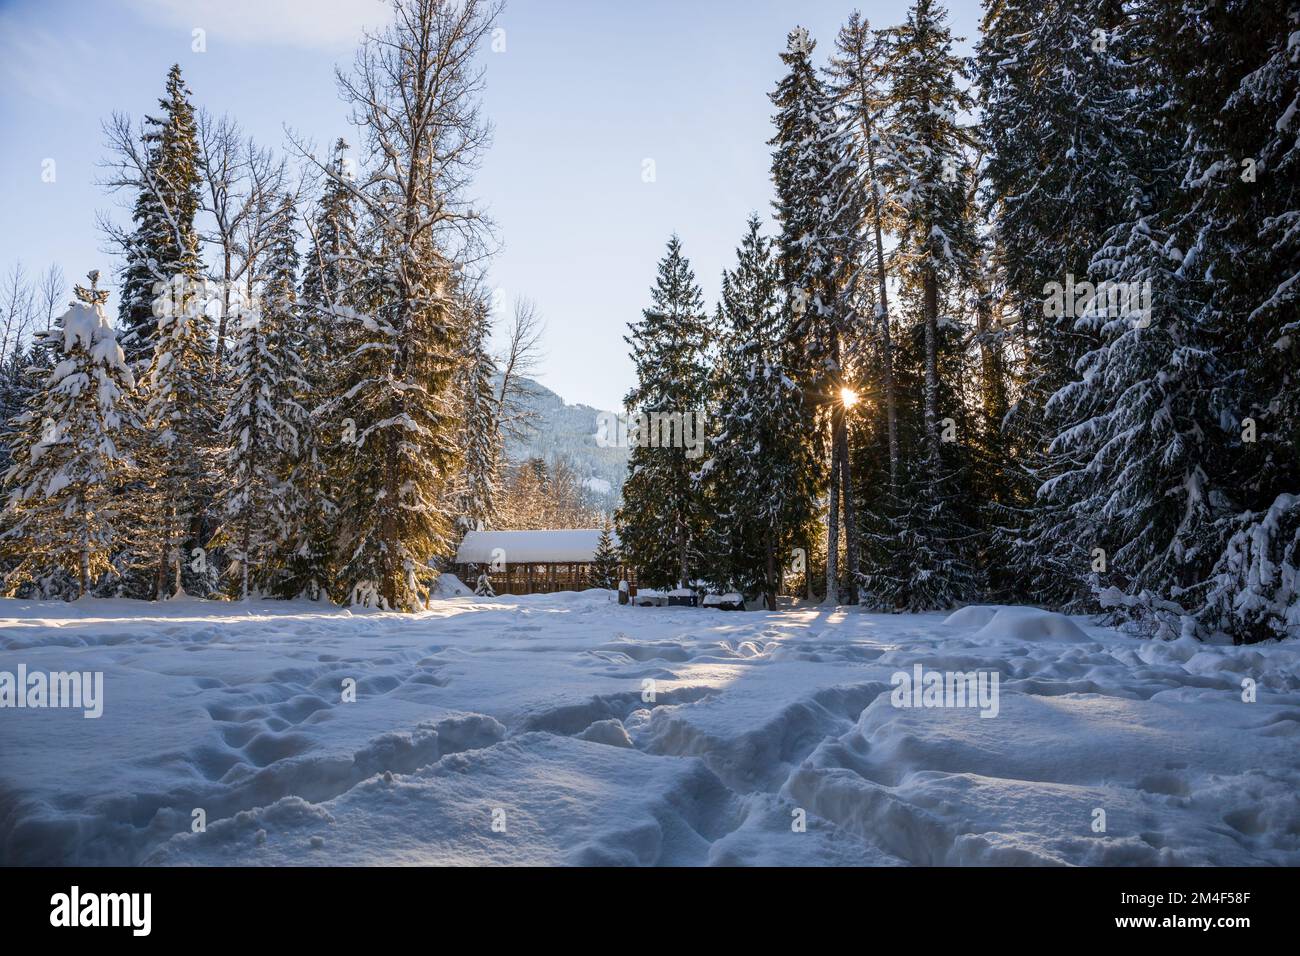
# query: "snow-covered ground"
{"points": [[519, 731]]}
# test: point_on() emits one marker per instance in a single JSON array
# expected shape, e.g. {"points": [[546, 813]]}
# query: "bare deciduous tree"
{"points": [[414, 90], [245, 184], [50, 293], [222, 159], [517, 361], [18, 309], [127, 167]]}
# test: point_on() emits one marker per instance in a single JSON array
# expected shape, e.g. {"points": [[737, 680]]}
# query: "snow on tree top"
{"points": [[85, 325], [81, 325]]}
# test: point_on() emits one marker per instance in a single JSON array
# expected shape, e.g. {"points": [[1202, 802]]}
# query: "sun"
{"points": [[848, 397]]}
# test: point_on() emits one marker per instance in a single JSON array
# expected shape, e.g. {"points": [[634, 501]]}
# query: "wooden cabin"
{"points": [[530, 562]]}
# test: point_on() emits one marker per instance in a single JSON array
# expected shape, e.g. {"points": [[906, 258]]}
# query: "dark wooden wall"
{"points": [[537, 578]]}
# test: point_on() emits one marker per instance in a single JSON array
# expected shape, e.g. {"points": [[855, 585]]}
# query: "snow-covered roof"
{"points": [[525, 547]]}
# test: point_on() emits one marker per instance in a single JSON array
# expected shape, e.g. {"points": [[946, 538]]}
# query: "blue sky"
{"points": [[584, 93]]}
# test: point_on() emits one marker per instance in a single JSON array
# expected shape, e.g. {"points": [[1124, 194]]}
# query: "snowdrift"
{"points": [[566, 729], [1016, 623]]}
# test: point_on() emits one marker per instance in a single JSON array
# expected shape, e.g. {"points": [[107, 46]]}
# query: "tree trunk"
{"points": [[179, 558], [882, 312], [246, 534], [931, 306], [164, 547], [683, 554], [225, 308], [992, 371], [243, 564], [833, 520], [769, 594], [83, 578], [389, 532], [850, 513]]}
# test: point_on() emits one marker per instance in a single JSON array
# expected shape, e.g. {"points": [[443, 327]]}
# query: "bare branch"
{"points": [[522, 354]]}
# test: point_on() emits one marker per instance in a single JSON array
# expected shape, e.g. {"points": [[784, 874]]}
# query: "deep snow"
{"points": [[515, 730]]}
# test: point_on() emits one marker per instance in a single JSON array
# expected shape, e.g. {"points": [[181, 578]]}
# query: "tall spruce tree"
{"points": [[263, 420], [1223, 446], [753, 484], [1139, 427], [1055, 182], [1242, 88], [820, 206], [396, 412], [332, 272], [72, 454], [180, 414], [858, 73], [924, 555], [480, 438], [661, 522], [415, 91], [165, 243]]}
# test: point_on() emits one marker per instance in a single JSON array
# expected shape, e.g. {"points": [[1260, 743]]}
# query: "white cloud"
{"points": [[304, 23]]}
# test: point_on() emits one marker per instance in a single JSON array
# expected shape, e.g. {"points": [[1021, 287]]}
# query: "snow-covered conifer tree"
{"points": [[165, 243], [1055, 183], [71, 454], [923, 555], [1137, 432], [605, 562], [259, 505], [415, 92], [1243, 185], [480, 438], [180, 413], [753, 484], [661, 522], [821, 207], [858, 77], [332, 273], [1198, 407]]}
